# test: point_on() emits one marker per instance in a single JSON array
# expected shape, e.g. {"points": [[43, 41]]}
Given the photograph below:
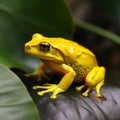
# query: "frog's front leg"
{"points": [[94, 80], [39, 72], [62, 86]]}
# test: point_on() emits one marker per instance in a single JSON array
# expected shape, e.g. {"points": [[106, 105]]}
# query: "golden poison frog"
{"points": [[76, 63]]}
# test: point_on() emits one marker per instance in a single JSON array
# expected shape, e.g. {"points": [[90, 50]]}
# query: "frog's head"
{"points": [[40, 47]]}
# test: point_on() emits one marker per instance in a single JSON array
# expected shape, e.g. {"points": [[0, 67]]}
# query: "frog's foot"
{"points": [[37, 74], [55, 89]]}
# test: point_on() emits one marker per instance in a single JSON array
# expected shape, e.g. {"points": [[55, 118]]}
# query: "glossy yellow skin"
{"points": [[75, 62]]}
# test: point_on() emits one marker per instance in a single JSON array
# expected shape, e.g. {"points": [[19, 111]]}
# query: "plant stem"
{"points": [[97, 30]]}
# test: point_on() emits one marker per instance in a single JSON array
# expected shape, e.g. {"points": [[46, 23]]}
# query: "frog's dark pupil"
{"points": [[44, 46]]}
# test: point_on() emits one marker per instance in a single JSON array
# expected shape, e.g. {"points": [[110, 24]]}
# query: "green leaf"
{"points": [[19, 19], [15, 102]]}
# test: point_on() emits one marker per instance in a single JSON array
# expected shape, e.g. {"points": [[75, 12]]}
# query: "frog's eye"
{"points": [[44, 46]]}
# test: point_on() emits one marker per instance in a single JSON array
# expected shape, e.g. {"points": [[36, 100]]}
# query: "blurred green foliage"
{"points": [[21, 18]]}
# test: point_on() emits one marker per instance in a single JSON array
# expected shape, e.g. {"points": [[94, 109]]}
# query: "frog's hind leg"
{"points": [[95, 80]]}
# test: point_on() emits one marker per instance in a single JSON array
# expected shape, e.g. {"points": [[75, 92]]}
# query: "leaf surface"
{"points": [[15, 102]]}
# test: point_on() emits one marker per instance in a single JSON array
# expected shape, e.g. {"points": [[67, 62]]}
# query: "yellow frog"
{"points": [[75, 62]]}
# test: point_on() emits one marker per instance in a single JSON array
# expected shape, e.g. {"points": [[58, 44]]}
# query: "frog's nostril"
{"points": [[27, 46]]}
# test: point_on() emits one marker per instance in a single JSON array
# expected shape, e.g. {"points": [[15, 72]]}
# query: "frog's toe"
{"points": [[55, 92], [85, 94], [41, 93], [46, 86], [79, 88], [35, 87], [53, 96], [98, 95], [29, 74]]}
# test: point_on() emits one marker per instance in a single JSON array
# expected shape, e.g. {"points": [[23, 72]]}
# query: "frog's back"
{"points": [[69, 47]]}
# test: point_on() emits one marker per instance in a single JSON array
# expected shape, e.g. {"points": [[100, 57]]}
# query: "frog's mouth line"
{"points": [[45, 57]]}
